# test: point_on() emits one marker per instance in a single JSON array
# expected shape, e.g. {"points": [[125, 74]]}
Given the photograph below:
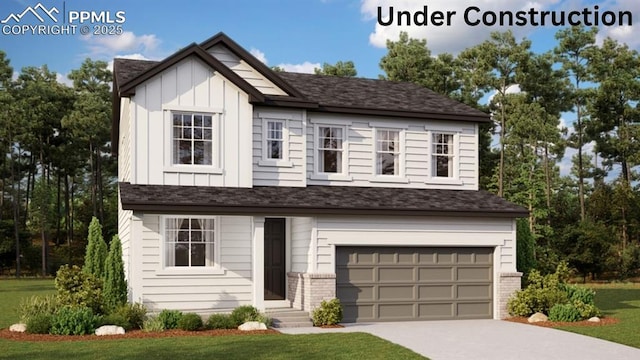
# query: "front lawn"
{"points": [[13, 290], [277, 346], [621, 301]]}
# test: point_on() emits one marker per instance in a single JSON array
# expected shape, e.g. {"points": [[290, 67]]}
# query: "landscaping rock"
{"points": [[538, 317], [18, 328], [594, 319], [109, 330], [252, 325]]}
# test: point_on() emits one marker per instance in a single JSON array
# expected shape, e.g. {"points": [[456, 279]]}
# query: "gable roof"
{"points": [[317, 92], [316, 200]]}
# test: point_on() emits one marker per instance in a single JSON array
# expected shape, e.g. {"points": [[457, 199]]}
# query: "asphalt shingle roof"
{"points": [[349, 200], [375, 94]]}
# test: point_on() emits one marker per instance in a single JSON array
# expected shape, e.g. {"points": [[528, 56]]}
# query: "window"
{"points": [[330, 149], [388, 152], [442, 155], [275, 140], [192, 139], [189, 242]]}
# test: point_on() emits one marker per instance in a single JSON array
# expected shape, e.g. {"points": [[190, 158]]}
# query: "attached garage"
{"points": [[414, 283]]}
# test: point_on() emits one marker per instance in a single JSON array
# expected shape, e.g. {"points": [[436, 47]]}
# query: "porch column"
{"points": [[258, 262]]}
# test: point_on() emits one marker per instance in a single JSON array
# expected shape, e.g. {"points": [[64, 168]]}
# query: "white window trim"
{"points": [[284, 162], [165, 270], [341, 176], [216, 158], [455, 179], [401, 176]]}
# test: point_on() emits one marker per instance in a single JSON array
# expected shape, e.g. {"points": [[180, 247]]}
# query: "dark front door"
{"points": [[274, 259]]}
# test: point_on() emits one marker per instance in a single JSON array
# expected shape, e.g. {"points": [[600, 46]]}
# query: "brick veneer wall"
{"points": [[306, 291], [508, 284]]}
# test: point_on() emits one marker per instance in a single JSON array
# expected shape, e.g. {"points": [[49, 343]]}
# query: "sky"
{"points": [[298, 35]]}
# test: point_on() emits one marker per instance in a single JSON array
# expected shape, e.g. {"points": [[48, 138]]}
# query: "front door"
{"points": [[274, 258]]}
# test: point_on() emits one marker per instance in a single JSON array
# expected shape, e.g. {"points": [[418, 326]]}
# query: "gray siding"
{"points": [[301, 244]]}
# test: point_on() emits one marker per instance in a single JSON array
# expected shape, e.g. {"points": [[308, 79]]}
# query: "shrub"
{"points": [[329, 313], [96, 251], [190, 322], [586, 310], [242, 314], [581, 294], [129, 316], [39, 323], [264, 319], [76, 288], [115, 286], [542, 293], [564, 312], [74, 320], [169, 318], [220, 321], [37, 305], [152, 324]]}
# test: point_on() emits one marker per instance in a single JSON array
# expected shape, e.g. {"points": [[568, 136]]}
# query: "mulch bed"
{"points": [[552, 324], [133, 334]]}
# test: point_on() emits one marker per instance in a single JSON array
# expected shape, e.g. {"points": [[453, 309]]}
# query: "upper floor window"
{"points": [[274, 140], [330, 149], [192, 139], [189, 242], [442, 155], [388, 152]]}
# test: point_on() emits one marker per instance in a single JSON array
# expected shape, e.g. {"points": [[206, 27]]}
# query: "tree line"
{"points": [[588, 217], [56, 170]]}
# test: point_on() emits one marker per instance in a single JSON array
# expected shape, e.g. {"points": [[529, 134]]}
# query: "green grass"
{"points": [[277, 346], [318, 346], [621, 301], [12, 291]]}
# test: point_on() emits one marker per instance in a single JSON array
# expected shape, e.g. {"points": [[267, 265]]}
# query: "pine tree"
{"points": [[96, 250], [115, 285]]}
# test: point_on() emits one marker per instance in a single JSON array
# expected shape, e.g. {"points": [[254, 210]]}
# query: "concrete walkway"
{"points": [[487, 339]]}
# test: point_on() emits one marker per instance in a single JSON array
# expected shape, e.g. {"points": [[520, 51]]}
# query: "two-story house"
{"points": [[240, 185]]}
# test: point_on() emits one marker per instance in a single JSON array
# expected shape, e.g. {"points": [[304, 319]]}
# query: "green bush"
{"points": [[242, 314], [39, 323], [329, 313], [586, 310], [115, 285], [129, 316], [542, 293], [169, 318], [264, 319], [96, 251], [220, 321], [190, 322], [74, 320], [37, 305], [152, 324], [564, 312], [76, 288], [580, 293]]}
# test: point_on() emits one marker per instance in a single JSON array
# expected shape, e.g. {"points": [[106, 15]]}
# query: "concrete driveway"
{"points": [[487, 339]]}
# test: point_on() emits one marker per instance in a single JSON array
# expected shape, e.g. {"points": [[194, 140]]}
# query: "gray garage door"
{"points": [[414, 283]]}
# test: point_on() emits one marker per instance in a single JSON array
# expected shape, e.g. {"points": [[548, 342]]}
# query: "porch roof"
{"points": [[315, 200]]}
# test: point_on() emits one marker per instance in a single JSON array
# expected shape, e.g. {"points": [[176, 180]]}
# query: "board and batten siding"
{"points": [[291, 170], [201, 293], [302, 244], [416, 231], [124, 142], [242, 69], [415, 154], [191, 86]]}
